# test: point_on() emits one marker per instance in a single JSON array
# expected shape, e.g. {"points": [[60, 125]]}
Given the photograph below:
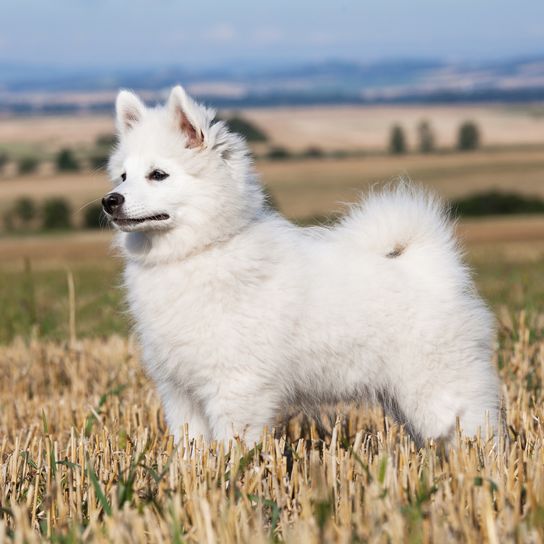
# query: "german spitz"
{"points": [[243, 316]]}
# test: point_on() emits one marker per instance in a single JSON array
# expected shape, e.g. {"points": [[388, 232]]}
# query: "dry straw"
{"points": [[85, 455]]}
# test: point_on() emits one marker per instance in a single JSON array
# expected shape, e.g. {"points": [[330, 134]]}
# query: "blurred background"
{"points": [[332, 97]]}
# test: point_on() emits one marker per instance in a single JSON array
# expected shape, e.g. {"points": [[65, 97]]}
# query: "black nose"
{"points": [[112, 202]]}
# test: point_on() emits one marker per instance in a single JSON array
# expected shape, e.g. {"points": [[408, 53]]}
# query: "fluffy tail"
{"points": [[398, 219]]}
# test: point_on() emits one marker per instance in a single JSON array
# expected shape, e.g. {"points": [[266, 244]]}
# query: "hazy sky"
{"points": [[206, 32]]}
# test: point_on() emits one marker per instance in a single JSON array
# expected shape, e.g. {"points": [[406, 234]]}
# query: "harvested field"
{"points": [[316, 187], [306, 188], [328, 127], [91, 246], [57, 248], [50, 133], [367, 127]]}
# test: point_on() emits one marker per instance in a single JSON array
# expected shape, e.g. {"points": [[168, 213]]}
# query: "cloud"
{"points": [[267, 36], [320, 38], [221, 33]]}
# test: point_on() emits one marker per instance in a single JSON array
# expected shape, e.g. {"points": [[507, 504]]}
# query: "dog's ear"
{"points": [[188, 116], [130, 110]]}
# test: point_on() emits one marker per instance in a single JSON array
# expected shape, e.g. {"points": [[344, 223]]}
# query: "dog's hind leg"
{"points": [[388, 401], [432, 412]]}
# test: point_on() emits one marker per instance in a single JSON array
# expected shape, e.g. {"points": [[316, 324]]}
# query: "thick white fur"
{"points": [[243, 316]]}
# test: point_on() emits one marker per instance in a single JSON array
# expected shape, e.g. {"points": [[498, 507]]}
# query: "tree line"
{"points": [[468, 138], [68, 160]]}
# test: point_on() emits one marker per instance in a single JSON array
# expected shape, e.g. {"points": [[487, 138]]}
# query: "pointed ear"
{"points": [[188, 116], [130, 110]]}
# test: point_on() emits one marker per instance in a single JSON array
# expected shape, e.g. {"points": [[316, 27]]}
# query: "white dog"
{"points": [[243, 316]]}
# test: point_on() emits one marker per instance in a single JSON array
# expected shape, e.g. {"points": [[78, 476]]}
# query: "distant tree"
{"points": [[498, 203], [27, 165], [4, 158], [106, 140], [426, 137], [250, 131], [93, 216], [313, 152], [343, 154], [468, 138], [397, 140], [8, 220], [278, 153], [99, 161], [25, 210], [66, 161], [56, 214]]}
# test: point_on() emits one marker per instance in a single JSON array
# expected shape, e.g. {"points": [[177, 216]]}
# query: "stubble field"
{"points": [[86, 457]]}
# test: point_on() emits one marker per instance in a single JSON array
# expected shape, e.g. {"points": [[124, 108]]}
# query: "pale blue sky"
{"points": [[205, 32]]}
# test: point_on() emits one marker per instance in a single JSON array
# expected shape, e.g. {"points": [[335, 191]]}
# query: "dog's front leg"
{"points": [[238, 413], [179, 410]]}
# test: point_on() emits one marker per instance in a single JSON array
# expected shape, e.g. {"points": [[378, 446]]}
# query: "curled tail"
{"points": [[400, 218]]}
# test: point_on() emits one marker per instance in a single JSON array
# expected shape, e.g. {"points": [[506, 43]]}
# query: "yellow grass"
{"points": [[306, 188], [85, 454]]}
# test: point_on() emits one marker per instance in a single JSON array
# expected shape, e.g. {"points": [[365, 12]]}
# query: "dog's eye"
{"points": [[157, 175], [124, 176]]}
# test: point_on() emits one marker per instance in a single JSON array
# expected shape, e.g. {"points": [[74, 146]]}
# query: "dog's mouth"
{"points": [[130, 221]]}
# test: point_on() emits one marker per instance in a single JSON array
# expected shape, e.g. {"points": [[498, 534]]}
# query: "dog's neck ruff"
{"points": [[150, 249]]}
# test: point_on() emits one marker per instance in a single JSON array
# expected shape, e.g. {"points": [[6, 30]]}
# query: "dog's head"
{"points": [[177, 169]]}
